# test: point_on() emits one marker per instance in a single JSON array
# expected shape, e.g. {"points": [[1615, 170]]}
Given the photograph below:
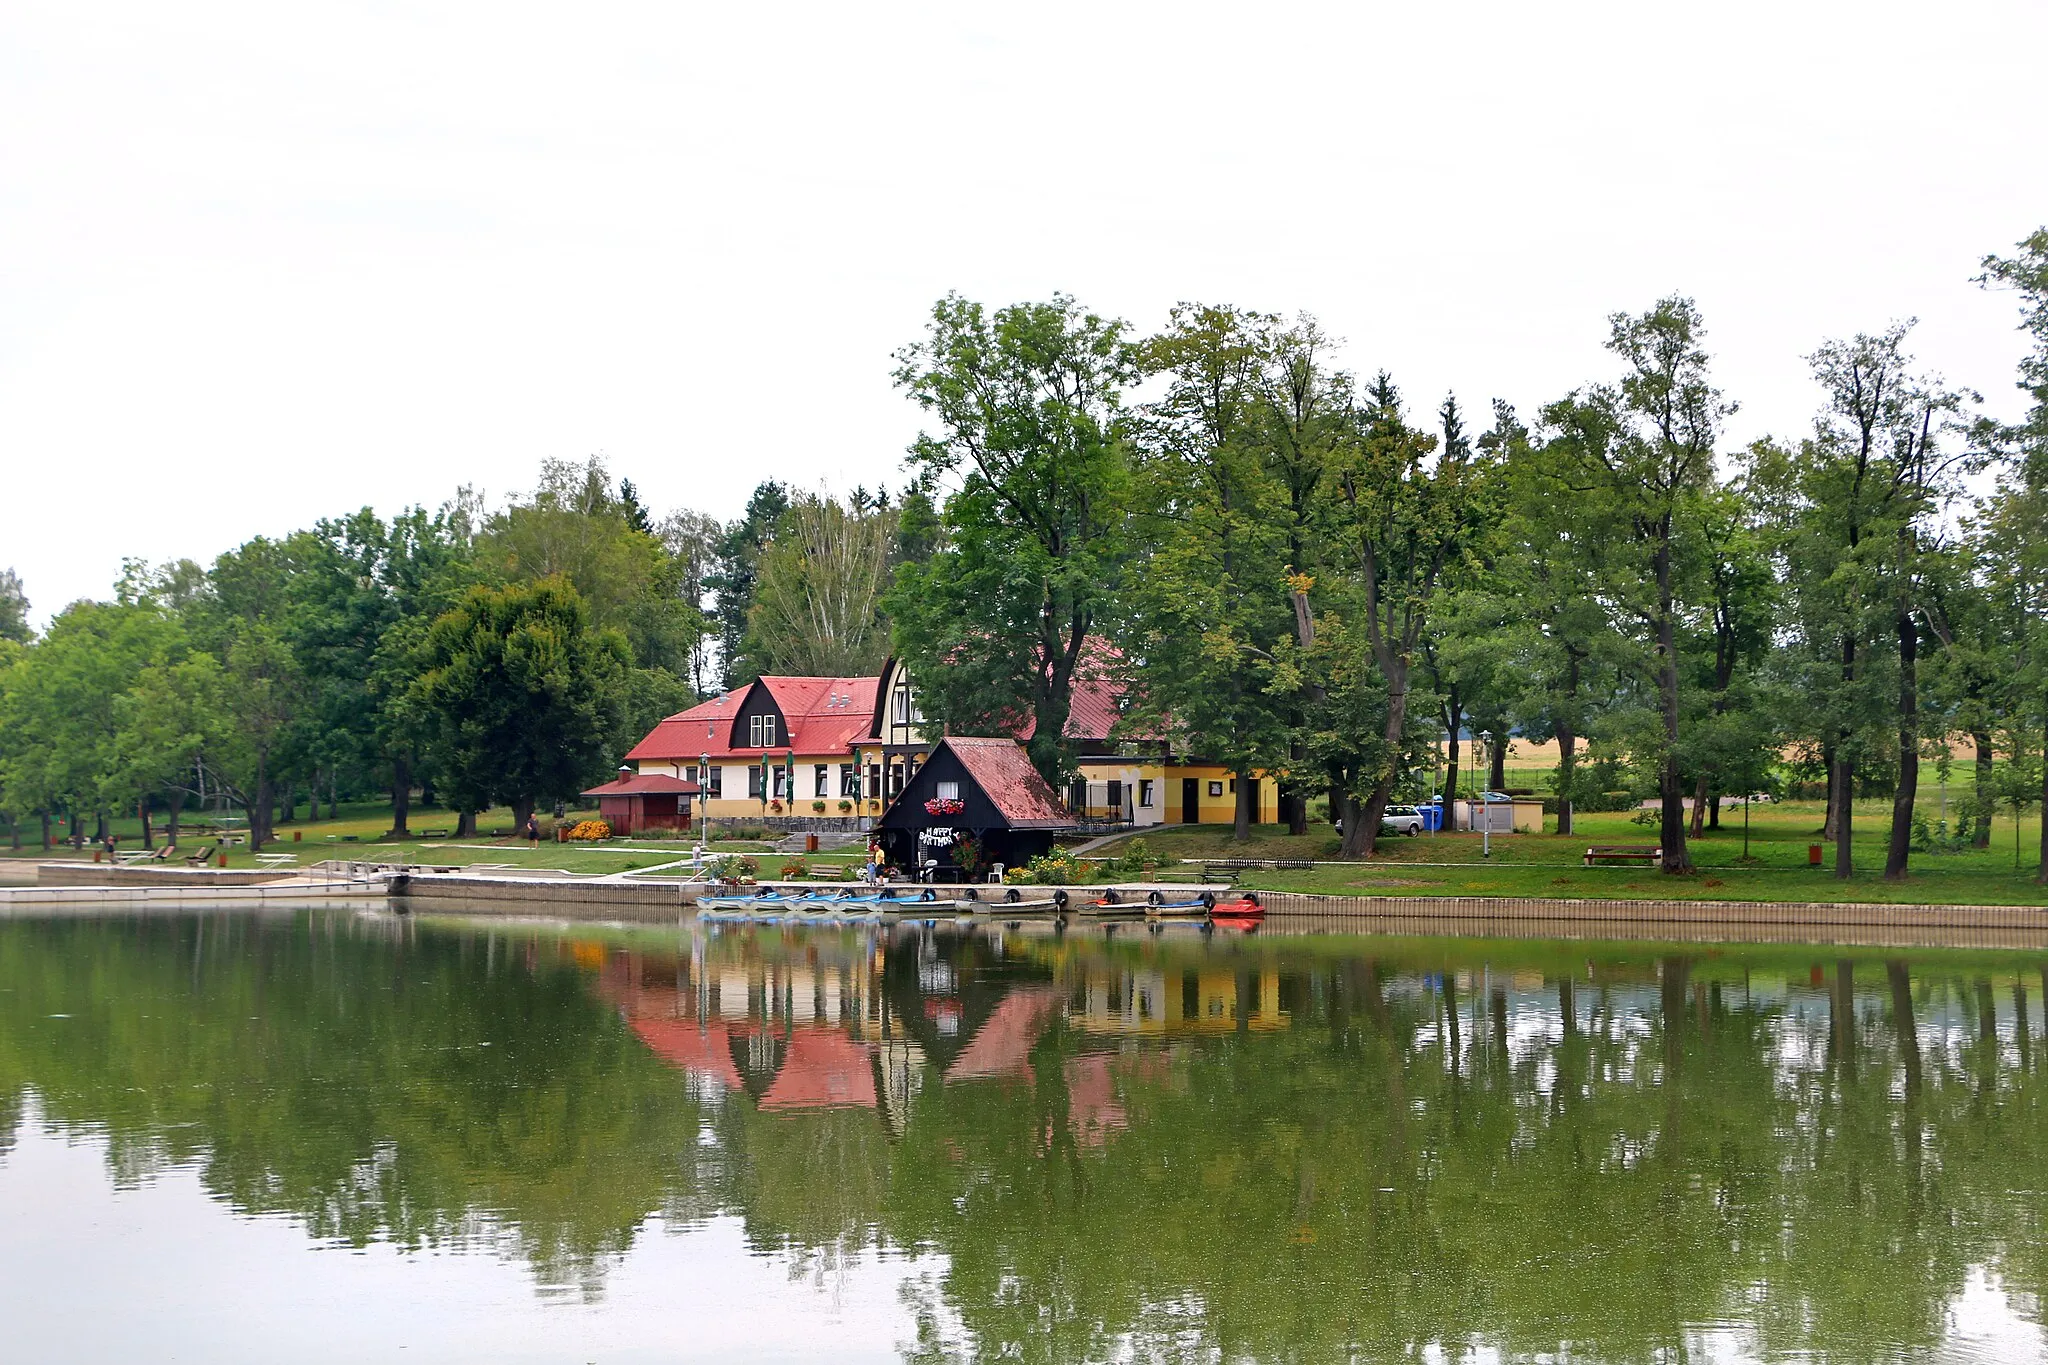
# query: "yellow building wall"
{"points": [[1216, 810]]}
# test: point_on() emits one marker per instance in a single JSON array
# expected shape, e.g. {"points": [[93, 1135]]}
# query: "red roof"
{"points": [[1093, 697], [1002, 1046], [701, 1050], [824, 716], [1003, 771], [823, 1069], [645, 784]]}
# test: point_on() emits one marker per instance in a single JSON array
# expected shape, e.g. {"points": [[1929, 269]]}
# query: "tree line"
{"points": [[474, 657], [1286, 568]]}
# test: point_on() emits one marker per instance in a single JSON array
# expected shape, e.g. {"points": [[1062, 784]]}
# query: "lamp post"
{"points": [[1485, 806], [704, 801]]}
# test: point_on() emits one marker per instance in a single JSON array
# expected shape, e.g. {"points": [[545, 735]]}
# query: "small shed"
{"points": [[974, 803], [644, 801]]}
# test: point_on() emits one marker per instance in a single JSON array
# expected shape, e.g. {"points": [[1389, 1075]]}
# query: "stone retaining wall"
{"points": [[103, 874], [1849, 923], [653, 899]]}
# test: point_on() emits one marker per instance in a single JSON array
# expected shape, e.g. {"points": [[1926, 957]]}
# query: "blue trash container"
{"points": [[1432, 817]]}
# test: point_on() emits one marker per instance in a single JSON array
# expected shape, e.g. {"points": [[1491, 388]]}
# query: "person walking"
{"points": [[874, 860], [533, 831]]}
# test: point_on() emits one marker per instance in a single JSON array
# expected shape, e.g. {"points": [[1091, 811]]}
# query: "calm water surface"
{"points": [[242, 1137]]}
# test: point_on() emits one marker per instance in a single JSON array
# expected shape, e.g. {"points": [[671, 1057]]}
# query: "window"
{"points": [[849, 779], [1116, 796], [690, 773], [1215, 789], [1145, 785], [949, 791], [899, 706], [821, 780], [753, 782], [717, 779], [875, 780], [761, 732], [781, 781]]}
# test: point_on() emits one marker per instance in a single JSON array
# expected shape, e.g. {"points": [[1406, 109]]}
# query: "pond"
{"points": [[332, 1136]]}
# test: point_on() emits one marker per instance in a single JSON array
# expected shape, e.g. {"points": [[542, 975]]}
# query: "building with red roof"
{"points": [[841, 749]]}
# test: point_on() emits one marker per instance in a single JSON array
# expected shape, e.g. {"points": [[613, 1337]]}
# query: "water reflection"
{"points": [[1117, 1143]]}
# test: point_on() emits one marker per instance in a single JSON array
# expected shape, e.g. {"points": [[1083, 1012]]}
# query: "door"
{"points": [[1190, 801]]}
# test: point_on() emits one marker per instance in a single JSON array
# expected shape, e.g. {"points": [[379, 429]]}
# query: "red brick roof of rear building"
{"points": [[644, 784], [1095, 700], [1004, 772], [824, 716]]}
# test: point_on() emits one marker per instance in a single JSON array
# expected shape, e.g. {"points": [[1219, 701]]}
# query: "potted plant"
{"points": [[845, 807], [944, 805], [775, 807], [818, 807]]}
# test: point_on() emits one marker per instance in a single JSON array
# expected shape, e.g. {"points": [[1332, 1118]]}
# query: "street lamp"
{"points": [[1485, 806], [704, 802]]}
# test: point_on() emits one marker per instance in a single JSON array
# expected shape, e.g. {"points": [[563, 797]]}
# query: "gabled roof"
{"points": [[645, 784], [823, 715], [1002, 1046], [823, 1069], [1004, 772]]}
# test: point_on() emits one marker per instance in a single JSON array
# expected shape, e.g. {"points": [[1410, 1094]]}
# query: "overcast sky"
{"points": [[262, 263]]}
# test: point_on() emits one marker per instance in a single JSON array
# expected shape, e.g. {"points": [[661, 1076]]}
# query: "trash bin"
{"points": [[810, 843], [1432, 818], [1813, 855]]}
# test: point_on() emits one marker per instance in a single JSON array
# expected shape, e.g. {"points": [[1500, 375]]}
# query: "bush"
{"points": [[1137, 859], [1649, 817], [1019, 876], [1057, 868], [731, 867], [792, 871], [590, 830]]}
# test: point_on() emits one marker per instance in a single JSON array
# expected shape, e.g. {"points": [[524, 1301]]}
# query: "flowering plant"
{"points": [[775, 806], [944, 805], [590, 829]]}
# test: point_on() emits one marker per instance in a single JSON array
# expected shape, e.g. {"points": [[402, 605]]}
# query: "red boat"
{"points": [[1245, 907]]}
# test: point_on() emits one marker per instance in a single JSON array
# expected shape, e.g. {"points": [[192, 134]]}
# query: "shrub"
{"points": [[1019, 876], [590, 830], [1136, 860], [1057, 868], [1649, 817], [850, 873], [728, 867]]}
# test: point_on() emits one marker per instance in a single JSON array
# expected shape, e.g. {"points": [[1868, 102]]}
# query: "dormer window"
{"points": [[761, 732]]}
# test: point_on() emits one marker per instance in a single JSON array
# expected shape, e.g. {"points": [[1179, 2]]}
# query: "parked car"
{"points": [[1401, 820]]}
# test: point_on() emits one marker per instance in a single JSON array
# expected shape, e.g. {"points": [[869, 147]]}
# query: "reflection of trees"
{"points": [[337, 1076], [1265, 1149]]}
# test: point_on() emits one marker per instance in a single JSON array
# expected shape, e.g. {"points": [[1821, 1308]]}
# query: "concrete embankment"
{"points": [[101, 874], [1851, 924], [467, 894]]}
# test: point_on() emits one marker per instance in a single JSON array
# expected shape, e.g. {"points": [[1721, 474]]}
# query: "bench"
{"points": [[277, 859], [1623, 853], [1227, 870], [202, 857], [433, 834]]}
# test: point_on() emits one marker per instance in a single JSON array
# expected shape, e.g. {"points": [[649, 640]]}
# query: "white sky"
{"points": [[261, 263]]}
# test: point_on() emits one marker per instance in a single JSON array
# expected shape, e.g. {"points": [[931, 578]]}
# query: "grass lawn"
{"points": [[1550, 864]]}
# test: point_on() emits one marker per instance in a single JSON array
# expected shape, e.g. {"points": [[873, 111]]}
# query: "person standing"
{"points": [[874, 860], [533, 831]]}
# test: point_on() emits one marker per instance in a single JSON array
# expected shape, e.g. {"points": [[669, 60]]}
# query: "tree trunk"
{"points": [[1497, 766], [427, 794], [46, 829], [1241, 829], [99, 826], [1902, 1022], [465, 825], [1454, 713], [313, 800], [522, 811], [261, 808], [1714, 811], [1827, 764], [2041, 875], [1909, 749], [1987, 799], [1567, 747], [142, 809], [1364, 834], [1699, 806], [1845, 812], [1676, 857], [176, 801], [401, 797]]}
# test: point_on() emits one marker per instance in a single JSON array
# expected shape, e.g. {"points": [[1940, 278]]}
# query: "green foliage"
{"points": [[13, 608], [1057, 868], [816, 610], [526, 696]]}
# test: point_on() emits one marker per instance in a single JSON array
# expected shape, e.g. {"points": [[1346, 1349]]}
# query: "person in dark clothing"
{"points": [[533, 831]]}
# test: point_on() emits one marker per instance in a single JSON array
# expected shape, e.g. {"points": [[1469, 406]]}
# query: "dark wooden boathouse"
{"points": [[975, 803]]}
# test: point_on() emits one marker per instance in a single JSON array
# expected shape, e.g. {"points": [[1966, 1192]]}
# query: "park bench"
{"points": [[1293, 864], [1227, 870], [202, 857], [433, 834], [1623, 853], [278, 860]]}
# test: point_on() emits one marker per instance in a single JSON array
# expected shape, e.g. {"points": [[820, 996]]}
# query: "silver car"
{"points": [[1401, 820]]}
